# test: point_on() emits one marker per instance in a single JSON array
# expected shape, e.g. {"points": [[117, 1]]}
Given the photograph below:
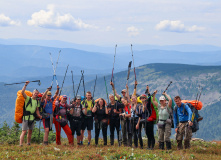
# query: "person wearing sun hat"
{"points": [[47, 110], [60, 114]]}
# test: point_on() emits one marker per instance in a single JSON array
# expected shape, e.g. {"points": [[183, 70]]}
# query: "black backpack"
{"points": [[195, 126]]}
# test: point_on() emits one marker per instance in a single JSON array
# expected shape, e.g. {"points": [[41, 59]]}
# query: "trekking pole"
{"points": [[94, 85], [167, 86], [128, 72], [199, 96], [73, 82], [82, 72], [39, 83], [54, 68], [78, 86], [39, 130], [113, 63], [133, 64], [63, 80], [106, 89]]}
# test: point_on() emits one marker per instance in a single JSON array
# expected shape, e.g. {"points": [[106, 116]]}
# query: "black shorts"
{"points": [[75, 126], [87, 123], [46, 123]]}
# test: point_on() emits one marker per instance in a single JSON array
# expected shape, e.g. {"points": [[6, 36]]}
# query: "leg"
{"points": [[150, 135], [29, 136], [124, 132], [22, 136], [58, 132], [140, 135], [68, 132], [161, 137], [90, 124], [187, 137], [135, 133], [97, 132], [112, 128], [179, 137], [167, 136], [104, 132], [89, 136]]}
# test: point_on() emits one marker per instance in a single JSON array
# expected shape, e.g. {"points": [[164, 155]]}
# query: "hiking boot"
{"points": [[161, 145], [179, 144], [199, 119], [88, 143], [168, 145]]}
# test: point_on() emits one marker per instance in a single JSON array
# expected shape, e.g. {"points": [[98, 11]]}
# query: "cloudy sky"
{"points": [[107, 22]]}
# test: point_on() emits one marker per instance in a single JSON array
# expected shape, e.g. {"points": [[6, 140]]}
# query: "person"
{"points": [[46, 103], [147, 116], [100, 111], [88, 103], [183, 128], [134, 118], [164, 123], [114, 109], [76, 115], [125, 123], [60, 115], [31, 107]]}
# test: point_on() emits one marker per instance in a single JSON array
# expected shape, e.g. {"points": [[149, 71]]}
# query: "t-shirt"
{"points": [[88, 105], [100, 114], [77, 110], [117, 106], [163, 113], [31, 108]]}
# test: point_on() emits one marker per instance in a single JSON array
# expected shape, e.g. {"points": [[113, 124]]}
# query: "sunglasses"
{"points": [[78, 99], [49, 95]]}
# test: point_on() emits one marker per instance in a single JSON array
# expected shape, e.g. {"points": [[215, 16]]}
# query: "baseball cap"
{"points": [[162, 98], [78, 97], [124, 90]]}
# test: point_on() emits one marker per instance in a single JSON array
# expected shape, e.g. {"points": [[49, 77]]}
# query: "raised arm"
{"points": [[154, 99], [135, 88], [168, 97], [147, 92], [94, 108], [24, 88], [56, 93], [114, 91]]}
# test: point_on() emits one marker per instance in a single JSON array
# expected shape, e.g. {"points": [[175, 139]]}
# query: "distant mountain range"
{"points": [[23, 61], [186, 80]]}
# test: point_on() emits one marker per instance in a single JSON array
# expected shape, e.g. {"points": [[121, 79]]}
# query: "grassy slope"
{"points": [[199, 150]]}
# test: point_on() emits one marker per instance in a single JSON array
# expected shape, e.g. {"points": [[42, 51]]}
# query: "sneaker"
{"points": [[88, 143], [28, 144]]}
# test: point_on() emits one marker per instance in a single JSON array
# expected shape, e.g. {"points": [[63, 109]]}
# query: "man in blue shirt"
{"points": [[184, 114], [47, 106]]}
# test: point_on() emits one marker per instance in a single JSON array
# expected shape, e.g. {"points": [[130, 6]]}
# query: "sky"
{"points": [[109, 22]]}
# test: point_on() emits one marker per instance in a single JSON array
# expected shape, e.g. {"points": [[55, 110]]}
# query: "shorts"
{"points": [[27, 125], [46, 123], [87, 123], [75, 126]]}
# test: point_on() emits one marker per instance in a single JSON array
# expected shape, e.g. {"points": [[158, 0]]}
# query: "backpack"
{"points": [[76, 117], [195, 126], [156, 109]]}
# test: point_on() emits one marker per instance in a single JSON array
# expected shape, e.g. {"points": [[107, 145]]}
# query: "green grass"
{"points": [[198, 150]]}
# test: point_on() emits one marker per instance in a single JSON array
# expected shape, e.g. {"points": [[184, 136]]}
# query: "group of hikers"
{"points": [[129, 115]]}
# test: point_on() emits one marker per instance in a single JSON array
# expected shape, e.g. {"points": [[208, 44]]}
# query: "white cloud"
{"points": [[6, 21], [54, 20], [109, 28], [176, 26], [133, 31]]}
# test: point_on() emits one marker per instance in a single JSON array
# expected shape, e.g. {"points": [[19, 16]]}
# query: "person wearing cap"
{"points": [[147, 116], [164, 124], [31, 107], [88, 103], [183, 128], [60, 114], [47, 111], [76, 115]]}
